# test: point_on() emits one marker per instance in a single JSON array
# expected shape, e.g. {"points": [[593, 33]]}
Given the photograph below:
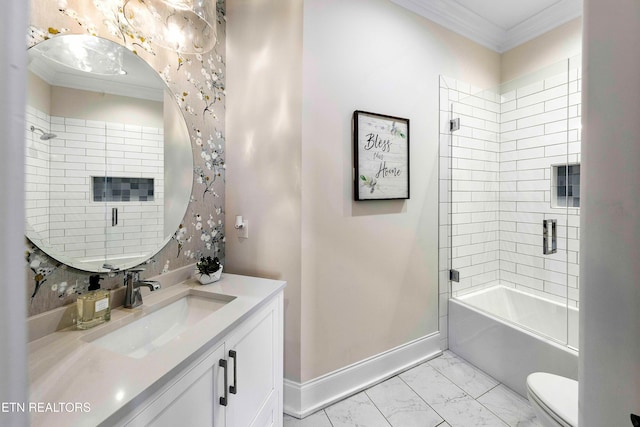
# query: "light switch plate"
{"points": [[243, 232]]}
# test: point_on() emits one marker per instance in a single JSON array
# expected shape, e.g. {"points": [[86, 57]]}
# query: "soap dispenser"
{"points": [[94, 307]]}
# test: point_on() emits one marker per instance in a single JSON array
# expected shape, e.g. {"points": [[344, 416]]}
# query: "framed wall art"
{"points": [[381, 156]]}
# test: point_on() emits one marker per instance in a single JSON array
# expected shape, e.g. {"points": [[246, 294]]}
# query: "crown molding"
{"points": [[463, 21], [458, 19], [93, 84], [548, 19], [45, 73], [111, 87]]}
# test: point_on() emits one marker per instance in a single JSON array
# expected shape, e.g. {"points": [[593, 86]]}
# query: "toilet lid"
{"points": [[558, 394]]}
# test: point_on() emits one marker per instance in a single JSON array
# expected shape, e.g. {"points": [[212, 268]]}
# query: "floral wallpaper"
{"points": [[197, 82]]}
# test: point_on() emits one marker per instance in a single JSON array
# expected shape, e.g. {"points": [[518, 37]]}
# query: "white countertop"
{"points": [[64, 368]]}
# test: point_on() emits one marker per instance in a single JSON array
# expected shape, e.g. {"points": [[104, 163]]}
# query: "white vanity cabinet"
{"points": [[254, 355], [196, 396], [191, 398]]}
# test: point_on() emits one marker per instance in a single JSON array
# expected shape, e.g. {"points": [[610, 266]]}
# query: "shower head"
{"points": [[45, 136]]}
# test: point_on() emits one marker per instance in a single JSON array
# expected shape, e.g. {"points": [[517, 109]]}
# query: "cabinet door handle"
{"points": [[114, 217], [234, 388], [223, 399]]}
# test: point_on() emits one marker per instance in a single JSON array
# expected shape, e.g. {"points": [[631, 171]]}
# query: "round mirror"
{"points": [[109, 166]]}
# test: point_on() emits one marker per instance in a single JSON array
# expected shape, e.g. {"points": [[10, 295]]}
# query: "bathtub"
{"points": [[494, 330]]}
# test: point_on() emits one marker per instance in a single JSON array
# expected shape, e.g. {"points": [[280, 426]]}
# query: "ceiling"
{"points": [[140, 80], [497, 24]]}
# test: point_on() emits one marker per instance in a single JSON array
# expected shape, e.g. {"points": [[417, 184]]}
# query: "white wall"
{"points": [[264, 92], [610, 219], [556, 45], [88, 105], [370, 269], [13, 334], [38, 93], [362, 277]]}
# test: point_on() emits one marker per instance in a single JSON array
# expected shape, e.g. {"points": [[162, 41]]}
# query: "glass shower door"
{"points": [[514, 200], [574, 139], [474, 212]]}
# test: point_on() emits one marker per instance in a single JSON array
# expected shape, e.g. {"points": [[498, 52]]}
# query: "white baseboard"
{"points": [[302, 399]]}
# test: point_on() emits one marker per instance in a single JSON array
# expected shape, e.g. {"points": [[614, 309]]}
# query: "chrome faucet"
{"points": [[132, 283]]}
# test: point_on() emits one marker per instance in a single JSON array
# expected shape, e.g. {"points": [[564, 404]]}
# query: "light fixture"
{"points": [[85, 53], [186, 26]]}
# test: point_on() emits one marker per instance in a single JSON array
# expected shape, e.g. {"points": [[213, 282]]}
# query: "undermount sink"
{"points": [[142, 336]]}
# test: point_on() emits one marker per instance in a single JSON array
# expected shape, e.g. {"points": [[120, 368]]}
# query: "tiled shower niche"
{"points": [[565, 187], [114, 189]]}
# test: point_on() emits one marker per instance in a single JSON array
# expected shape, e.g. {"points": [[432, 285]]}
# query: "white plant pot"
{"points": [[205, 279]]}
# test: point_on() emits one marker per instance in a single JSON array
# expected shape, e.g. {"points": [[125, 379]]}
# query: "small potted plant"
{"points": [[208, 270]]}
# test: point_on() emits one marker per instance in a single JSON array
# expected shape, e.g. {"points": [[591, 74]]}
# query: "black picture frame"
{"points": [[381, 157]]}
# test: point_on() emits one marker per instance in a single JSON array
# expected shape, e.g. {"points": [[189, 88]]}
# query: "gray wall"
{"points": [[13, 357], [610, 218]]}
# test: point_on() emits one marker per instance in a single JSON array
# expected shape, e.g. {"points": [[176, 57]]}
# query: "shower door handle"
{"points": [[549, 246]]}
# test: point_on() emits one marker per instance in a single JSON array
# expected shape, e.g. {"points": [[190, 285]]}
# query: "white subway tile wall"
{"points": [[553, 104], [37, 170], [495, 188], [59, 201]]}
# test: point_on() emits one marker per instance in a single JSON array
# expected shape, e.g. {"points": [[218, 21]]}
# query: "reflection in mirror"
{"points": [[109, 166]]}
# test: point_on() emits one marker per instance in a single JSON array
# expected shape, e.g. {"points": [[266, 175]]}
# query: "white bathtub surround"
{"points": [[426, 396], [483, 330]]}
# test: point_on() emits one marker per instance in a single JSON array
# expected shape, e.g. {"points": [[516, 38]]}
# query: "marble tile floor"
{"points": [[445, 391]]}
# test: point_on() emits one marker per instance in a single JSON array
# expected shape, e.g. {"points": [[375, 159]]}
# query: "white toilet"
{"points": [[554, 399]]}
